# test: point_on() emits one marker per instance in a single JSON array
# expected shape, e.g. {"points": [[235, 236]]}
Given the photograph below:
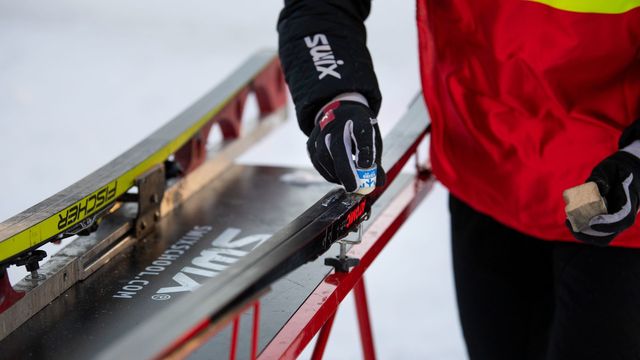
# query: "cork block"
{"points": [[583, 203]]}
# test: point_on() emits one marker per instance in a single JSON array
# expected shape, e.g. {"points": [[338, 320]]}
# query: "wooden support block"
{"points": [[583, 203]]}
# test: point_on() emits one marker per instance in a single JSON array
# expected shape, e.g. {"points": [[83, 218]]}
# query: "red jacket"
{"points": [[526, 98]]}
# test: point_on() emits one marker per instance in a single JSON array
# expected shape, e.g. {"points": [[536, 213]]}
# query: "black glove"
{"points": [[618, 180], [345, 146]]}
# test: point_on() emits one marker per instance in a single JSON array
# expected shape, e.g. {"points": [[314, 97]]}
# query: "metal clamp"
{"points": [[31, 261], [342, 262], [151, 186]]}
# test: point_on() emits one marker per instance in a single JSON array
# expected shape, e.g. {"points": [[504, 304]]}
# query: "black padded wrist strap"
{"points": [[323, 52], [630, 134]]}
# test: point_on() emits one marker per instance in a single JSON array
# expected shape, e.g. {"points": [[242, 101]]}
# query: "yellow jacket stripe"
{"points": [[593, 6]]}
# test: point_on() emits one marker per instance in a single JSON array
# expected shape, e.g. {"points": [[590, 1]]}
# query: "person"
{"points": [[527, 99]]}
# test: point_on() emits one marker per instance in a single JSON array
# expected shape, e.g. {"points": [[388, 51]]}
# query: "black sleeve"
{"points": [[630, 134], [322, 46]]}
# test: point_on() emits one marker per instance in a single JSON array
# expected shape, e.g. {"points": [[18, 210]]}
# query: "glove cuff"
{"points": [[348, 96], [629, 135], [633, 148]]}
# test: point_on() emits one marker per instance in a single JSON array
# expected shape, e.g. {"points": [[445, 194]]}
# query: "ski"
{"points": [[205, 242], [74, 209], [167, 168], [303, 240]]}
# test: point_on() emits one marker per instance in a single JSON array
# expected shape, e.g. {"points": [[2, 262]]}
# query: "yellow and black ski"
{"points": [[78, 206]]}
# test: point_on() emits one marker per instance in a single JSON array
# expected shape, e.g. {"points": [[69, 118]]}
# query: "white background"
{"points": [[81, 82]]}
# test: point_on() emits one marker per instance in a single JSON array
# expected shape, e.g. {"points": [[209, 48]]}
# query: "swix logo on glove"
{"points": [[322, 56]]}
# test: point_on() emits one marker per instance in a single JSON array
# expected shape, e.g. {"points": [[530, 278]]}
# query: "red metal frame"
{"points": [[270, 90], [317, 313], [362, 309], [256, 330], [205, 330], [320, 307], [234, 338], [8, 296], [364, 323], [323, 338]]}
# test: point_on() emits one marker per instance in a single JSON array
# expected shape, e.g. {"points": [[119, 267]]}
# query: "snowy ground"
{"points": [[81, 82]]}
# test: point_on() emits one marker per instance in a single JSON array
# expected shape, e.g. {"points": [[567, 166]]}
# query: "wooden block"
{"points": [[583, 203]]}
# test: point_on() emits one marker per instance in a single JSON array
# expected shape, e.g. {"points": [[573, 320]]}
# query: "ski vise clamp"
{"points": [[342, 263], [151, 186]]}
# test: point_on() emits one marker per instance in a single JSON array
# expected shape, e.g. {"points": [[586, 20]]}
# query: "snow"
{"points": [[81, 82]]}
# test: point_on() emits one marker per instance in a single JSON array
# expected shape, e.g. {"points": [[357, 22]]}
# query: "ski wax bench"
{"points": [[167, 167], [191, 320], [74, 209]]}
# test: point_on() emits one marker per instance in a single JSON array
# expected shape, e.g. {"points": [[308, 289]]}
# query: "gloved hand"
{"points": [[618, 180], [345, 146]]}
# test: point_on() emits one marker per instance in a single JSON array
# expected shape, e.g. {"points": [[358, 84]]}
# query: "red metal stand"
{"points": [[8, 296], [256, 330], [271, 95], [230, 117], [323, 338], [364, 322], [234, 338], [270, 88], [317, 312], [194, 152], [204, 331]]}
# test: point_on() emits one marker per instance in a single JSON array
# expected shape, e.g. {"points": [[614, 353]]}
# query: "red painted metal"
{"points": [[362, 309], [319, 309], [205, 330], [230, 117], [323, 338], [323, 302], [271, 94], [256, 330], [8, 296], [234, 338], [194, 152], [270, 89], [184, 339]]}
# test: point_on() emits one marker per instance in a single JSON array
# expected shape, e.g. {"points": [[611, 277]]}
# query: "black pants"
{"points": [[524, 298]]}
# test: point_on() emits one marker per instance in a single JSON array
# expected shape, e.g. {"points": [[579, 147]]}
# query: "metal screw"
{"points": [[343, 250], [35, 276], [156, 215], [143, 225], [155, 198]]}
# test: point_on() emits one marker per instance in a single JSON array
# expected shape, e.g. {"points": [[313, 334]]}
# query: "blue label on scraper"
{"points": [[366, 180]]}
